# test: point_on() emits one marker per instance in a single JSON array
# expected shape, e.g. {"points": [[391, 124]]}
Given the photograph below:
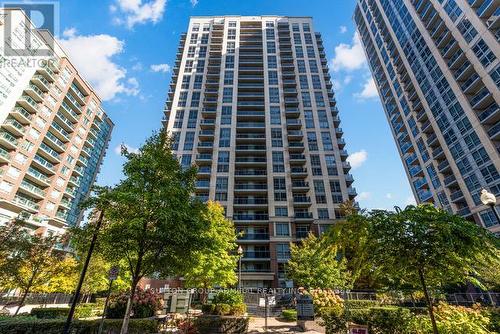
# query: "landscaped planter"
{"points": [[217, 324]]}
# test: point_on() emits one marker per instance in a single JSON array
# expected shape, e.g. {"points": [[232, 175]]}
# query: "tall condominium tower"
{"points": [[251, 105], [436, 67], [53, 132]]}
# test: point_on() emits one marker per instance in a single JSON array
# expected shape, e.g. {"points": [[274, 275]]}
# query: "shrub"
{"points": [[222, 309], [350, 304], [289, 315], [208, 324], [84, 311], [55, 326], [230, 297], [144, 305], [325, 298], [454, 320], [238, 309], [49, 312], [494, 315]]}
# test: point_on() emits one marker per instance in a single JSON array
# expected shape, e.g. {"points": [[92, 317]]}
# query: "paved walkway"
{"points": [[257, 325]]}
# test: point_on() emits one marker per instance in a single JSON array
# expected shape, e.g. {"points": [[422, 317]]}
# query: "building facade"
{"points": [[250, 103], [436, 67], [53, 131]]}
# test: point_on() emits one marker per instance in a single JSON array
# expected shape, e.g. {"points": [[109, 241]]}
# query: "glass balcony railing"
{"points": [[8, 137], [26, 202], [50, 151], [23, 112], [32, 188], [38, 175], [43, 162], [54, 139]]}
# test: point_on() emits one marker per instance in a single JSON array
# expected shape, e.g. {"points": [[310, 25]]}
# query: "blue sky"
{"points": [[125, 49]]}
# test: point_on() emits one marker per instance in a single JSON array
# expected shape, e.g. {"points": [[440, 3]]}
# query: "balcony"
{"points": [[298, 172], [450, 180], [55, 141], [296, 146], [251, 161], [297, 159], [251, 187], [36, 93], [295, 135], [207, 123], [66, 109], [250, 201], [251, 173], [293, 124], [251, 125], [283, 255], [62, 134], [37, 176], [250, 137], [301, 201], [4, 155], [202, 184], [248, 255], [206, 134], [47, 73], [49, 153], [32, 190], [13, 126], [250, 217], [253, 236], [22, 115], [26, 202], [204, 158], [352, 192], [300, 186], [303, 216], [251, 148], [28, 103], [8, 140], [41, 82]]}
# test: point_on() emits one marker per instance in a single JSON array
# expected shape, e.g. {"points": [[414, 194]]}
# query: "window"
{"points": [[226, 115], [302, 66], [283, 251], [189, 66], [275, 115], [206, 26], [228, 77], [306, 27], [225, 137], [330, 164], [193, 115], [279, 189], [204, 39], [323, 119], [304, 84], [200, 66], [203, 52], [310, 51], [490, 173], [196, 27], [175, 138], [272, 62], [278, 162], [231, 34], [308, 38], [295, 27], [308, 115], [223, 162], [227, 95], [191, 51], [182, 99], [269, 24], [195, 99], [273, 77], [313, 66], [179, 118], [306, 99], [281, 211], [269, 33], [271, 47], [189, 140], [483, 53], [232, 24], [489, 218], [221, 189], [296, 38], [186, 161], [316, 165], [193, 39], [319, 190], [186, 79], [282, 229], [312, 141], [276, 137], [274, 95], [316, 81], [229, 61], [466, 29], [327, 141], [198, 80], [231, 47], [299, 51], [323, 214], [495, 75], [320, 101]]}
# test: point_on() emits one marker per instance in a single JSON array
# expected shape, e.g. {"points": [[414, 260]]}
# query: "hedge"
{"points": [[212, 324], [55, 326], [289, 315], [349, 304], [81, 311], [224, 309]]}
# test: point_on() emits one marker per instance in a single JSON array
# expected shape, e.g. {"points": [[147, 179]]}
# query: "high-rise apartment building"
{"points": [[53, 131], [436, 67], [251, 105]]}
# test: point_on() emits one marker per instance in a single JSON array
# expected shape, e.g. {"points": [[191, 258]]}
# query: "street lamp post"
{"points": [[490, 200], [240, 254], [67, 326]]}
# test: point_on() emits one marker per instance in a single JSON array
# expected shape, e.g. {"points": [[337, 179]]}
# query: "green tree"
{"points": [[31, 263], [427, 248], [153, 221], [11, 237], [314, 264], [214, 266]]}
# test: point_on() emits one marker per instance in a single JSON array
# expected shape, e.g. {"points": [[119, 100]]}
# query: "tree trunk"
{"points": [[25, 293], [135, 280], [429, 301]]}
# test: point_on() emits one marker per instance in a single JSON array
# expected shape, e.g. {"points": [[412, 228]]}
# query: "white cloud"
{"points": [[137, 66], [369, 90], [194, 2], [347, 80], [118, 149], [164, 68], [364, 195], [388, 196], [93, 57], [349, 57], [357, 159], [132, 12], [343, 29]]}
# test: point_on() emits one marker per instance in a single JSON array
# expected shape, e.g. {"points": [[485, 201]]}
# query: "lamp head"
{"points": [[488, 198]]}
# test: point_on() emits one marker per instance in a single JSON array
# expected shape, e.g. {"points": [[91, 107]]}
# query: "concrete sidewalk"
{"points": [[257, 325]]}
